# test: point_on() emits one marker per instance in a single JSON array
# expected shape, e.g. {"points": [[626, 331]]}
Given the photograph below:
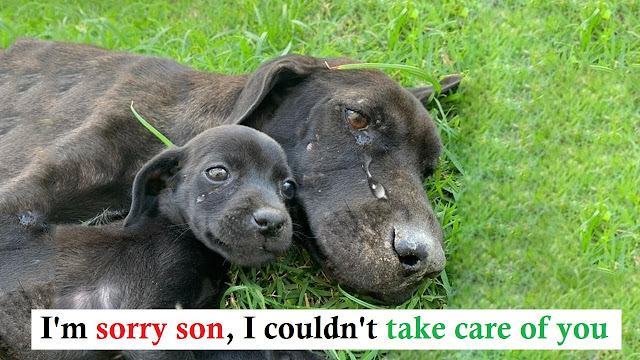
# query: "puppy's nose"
{"points": [[269, 221], [418, 250]]}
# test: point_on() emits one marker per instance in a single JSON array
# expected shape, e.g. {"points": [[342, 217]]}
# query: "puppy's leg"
{"points": [[84, 172], [26, 282], [15, 317]]}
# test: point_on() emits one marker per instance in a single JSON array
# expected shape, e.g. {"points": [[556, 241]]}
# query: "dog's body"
{"points": [[217, 200], [109, 267], [157, 265], [94, 147], [71, 147]]}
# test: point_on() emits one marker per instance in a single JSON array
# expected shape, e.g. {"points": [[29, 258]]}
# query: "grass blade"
{"points": [[356, 300], [151, 129]]}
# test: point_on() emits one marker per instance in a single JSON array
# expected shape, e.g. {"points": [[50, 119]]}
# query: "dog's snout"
{"points": [[411, 251], [418, 250], [269, 221]]}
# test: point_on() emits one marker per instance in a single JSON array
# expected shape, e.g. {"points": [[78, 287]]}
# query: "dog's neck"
{"points": [[198, 109], [159, 225]]}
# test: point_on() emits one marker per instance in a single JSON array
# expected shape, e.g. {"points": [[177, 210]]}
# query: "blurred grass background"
{"points": [[538, 190]]}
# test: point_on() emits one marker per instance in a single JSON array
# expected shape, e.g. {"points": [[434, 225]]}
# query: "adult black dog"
{"points": [[358, 143]]}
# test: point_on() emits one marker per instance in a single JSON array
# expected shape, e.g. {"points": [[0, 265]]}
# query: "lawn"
{"points": [[539, 187]]}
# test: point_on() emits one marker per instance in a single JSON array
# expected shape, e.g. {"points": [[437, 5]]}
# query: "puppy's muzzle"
{"points": [[269, 222]]}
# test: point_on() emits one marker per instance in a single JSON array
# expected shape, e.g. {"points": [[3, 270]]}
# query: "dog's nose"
{"points": [[418, 250], [269, 221]]}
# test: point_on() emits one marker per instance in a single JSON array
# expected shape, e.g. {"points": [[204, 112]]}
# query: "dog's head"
{"points": [[229, 185], [360, 146]]}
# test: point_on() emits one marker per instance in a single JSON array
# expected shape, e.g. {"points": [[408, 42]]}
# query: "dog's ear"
{"points": [[269, 76], [448, 84], [154, 177]]}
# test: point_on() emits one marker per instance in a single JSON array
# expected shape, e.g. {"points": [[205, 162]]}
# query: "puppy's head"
{"points": [[229, 185]]}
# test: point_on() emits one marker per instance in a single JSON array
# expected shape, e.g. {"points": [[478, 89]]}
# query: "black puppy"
{"points": [[224, 191], [220, 197]]}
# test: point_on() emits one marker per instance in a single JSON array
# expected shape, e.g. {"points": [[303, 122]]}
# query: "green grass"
{"points": [[538, 190]]}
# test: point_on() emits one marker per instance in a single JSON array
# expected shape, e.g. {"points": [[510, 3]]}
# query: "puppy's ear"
{"points": [[154, 177], [282, 71], [448, 84]]}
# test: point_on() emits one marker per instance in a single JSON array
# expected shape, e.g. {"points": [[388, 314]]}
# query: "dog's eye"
{"points": [[288, 189], [355, 119], [217, 174]]}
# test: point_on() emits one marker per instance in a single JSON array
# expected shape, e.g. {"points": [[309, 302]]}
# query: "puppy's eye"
{"points": [[355, 119], [288, 189], [217, 174]]}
